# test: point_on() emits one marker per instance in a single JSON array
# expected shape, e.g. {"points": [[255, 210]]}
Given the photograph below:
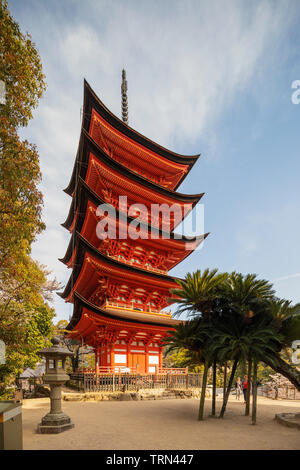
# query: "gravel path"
{"points": [[161, 424]]}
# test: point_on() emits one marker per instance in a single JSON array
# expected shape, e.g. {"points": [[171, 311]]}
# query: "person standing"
{"points": [[245, 387], [238, 388]]}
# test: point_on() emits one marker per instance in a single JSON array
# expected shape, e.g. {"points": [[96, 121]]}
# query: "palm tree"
{"points": [[237, 341], [245, 295], [286, 319], [248, 394], [214, 388], [197, 296], [194, 336], [197, 293], [239, 320], [254, 391]]}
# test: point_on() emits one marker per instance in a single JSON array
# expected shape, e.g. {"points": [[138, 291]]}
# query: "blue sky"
{"points": [[211, 77]]}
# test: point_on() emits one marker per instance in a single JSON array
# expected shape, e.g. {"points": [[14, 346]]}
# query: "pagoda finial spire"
{"points": [[124, 97]]}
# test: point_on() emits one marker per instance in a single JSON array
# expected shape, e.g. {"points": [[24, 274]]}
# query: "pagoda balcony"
{"points": [[136, 307], [137, 264], [99, 370]]}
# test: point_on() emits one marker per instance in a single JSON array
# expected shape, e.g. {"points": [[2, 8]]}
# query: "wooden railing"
{"points": [[288, 392], [107, 370], [91, 382], [130, 370], [139, 265], [135, 306], [174, 370]]}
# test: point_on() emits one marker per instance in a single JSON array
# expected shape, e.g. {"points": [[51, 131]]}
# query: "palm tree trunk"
{"points": [[225, 400], [254, 392], [213, 404], [203, 391], [225, 380], [290, 372], [247, 408]]}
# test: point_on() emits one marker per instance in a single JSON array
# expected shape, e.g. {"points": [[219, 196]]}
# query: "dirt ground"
{"points": [[161, 424]]}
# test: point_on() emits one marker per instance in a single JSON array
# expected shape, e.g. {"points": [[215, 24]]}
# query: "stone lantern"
{"points": [[56, 420]]}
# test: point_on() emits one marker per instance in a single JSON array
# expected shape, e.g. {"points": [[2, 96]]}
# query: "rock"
{"points": [[39, 395], [136, 396], [291, 420], [72, 397], [41, 391], [126, 397]]}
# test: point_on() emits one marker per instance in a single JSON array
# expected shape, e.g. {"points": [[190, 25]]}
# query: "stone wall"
{"points": [[146, 394]]}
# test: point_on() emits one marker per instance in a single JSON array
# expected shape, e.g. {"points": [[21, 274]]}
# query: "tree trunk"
{"points": [[283, 368], [225, 380], [225, 400], [247, 408], [213, 404], [254, 392], [203, 391]]}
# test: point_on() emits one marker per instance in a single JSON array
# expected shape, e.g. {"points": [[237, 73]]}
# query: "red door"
{"points": [[139, 363]]}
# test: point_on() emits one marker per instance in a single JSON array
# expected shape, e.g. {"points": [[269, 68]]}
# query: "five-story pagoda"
{"points": [[119, 283]]}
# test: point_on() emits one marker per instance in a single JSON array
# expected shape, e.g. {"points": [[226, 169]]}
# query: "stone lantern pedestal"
{"points": [[56, 420]]}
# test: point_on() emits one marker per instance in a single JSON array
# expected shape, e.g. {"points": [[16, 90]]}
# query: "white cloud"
{"points": [[184, 64], [287, 278]]}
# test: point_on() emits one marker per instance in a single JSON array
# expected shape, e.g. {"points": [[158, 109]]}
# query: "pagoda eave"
{"points": [[87, 255], [91, 101], [84, 194], [88, 146], [179, 248], [83, 188], [130, 317]]}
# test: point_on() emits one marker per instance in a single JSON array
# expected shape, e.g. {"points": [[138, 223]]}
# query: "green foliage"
{"points": [[20, 200], [285, 317], [246, 294], [25, 316], [20, 69], [237, 341], [198, 292], [183, 358], [193, 336], [263, 373], [236, 318], [24, 332]]}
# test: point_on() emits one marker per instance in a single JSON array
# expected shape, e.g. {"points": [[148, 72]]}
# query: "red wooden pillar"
{"points": [[146, 359], [160, 359], [146, 362], [97, 359], [112, 355], [129, 363]]}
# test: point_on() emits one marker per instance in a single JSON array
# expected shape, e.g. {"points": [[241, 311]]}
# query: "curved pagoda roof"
{"points": [[123, 317], [129, 145], [82, 219], [91, 265], [92, 162]]}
